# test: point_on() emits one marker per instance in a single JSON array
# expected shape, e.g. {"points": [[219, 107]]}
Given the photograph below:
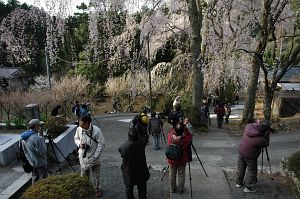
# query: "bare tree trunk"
{"points": [[257, 61], [195, 18], [248, 111], [269, 94]]}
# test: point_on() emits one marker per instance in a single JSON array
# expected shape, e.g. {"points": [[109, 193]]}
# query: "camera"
{"points": [[86, 147]]}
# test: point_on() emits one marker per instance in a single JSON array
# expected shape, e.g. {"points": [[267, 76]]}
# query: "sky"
{"points": [[42, 3], [73, 3]]}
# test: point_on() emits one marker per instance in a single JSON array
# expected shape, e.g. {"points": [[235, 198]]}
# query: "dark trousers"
{"points": [[142, 191], [39, 173], [227, 118], [219, 121], [251, 166]]}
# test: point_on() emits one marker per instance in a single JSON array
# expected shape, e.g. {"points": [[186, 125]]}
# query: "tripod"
{"points": [[193, 147], [163, 140], [94, 117], [53, 146]]}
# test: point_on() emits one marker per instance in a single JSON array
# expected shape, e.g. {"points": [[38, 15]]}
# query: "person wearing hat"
{"points": [[256, 137], [134, 166], [35, 150], [180, 135]]}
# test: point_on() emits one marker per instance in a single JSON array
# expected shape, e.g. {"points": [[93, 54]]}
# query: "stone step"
{"points": [[214, 186]]}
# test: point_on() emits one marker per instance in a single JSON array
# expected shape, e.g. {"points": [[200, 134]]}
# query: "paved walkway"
{"points": [[215, 185], [217, 150]]}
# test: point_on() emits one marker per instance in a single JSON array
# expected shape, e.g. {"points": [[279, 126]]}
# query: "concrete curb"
{"points": [[16, 188]]}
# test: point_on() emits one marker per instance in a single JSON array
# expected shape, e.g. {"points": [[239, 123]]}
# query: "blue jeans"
{"points": [[156, 140]]}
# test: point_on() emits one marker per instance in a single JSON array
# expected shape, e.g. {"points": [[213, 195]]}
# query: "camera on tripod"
{"points": [[86, 147]]}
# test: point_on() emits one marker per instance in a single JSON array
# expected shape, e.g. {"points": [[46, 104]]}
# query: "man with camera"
{"points": [[134, 165], [35, 150], [256, 137], [91, 143]]}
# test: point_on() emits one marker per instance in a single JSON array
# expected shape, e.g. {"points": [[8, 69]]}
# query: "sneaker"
{"points": [[250, 190], [238, 185], [98, 194]]}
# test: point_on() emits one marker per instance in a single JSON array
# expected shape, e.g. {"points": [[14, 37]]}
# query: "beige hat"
{"points": [[35, 122]]}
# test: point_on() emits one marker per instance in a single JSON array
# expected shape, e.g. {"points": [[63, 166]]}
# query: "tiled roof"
{"points": [[292, 75], [290, 86]]}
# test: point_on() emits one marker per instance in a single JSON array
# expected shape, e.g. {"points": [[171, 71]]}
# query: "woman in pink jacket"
{"points": [[256, 137], [182, 136]]}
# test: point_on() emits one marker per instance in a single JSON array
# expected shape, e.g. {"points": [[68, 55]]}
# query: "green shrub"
{"points": [[63, 186], [294, 164], [8, 124], [18, 121]]}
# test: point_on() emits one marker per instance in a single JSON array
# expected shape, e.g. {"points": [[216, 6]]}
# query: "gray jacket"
{"points": [[35, 148]]}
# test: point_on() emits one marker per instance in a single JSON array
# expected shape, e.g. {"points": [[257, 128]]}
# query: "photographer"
{"points": [[91, 143], [256, 136], [35, 150], [179, 135], [134, 166]]}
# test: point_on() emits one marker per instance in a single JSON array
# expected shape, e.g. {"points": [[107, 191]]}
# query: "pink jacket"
{"points": [[252, 141]]}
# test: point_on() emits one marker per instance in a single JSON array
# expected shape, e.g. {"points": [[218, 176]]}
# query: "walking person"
{"points": [[227, 112], [134, 166], [179, 135], [90, 141], [155, 127], [205, 113], [76, 111], [256, 136], [35, 150], [187, 123], [220, 111]]}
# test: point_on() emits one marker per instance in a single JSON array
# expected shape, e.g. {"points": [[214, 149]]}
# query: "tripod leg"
{"points": [[269, 161], [165, 170], [272, 178], [63, 156], [56, 159], [163, 134], [198, 158], [262, 160], [190, 175]]}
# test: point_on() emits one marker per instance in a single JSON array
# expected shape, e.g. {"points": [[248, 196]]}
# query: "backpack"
{"points": [[155, 126], [21, 157], [174, 151]]}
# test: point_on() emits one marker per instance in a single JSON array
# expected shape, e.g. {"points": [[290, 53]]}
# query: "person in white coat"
{"points": [[91, 142]]}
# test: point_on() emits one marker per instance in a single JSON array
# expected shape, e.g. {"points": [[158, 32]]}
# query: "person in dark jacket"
{"points": [[182, 136], [220, 112], [256, 136], [155, 127], [134, 166]]}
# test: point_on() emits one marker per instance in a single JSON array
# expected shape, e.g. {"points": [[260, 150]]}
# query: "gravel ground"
{"points": [[112, 181], [113, 187], [278, 188]]}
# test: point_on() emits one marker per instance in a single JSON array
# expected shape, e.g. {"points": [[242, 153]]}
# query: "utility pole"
{"points": [[47, 66], [149, 72]]}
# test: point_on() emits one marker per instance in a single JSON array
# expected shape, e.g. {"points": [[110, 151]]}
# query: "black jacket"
{"points": [[134, 166]]}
